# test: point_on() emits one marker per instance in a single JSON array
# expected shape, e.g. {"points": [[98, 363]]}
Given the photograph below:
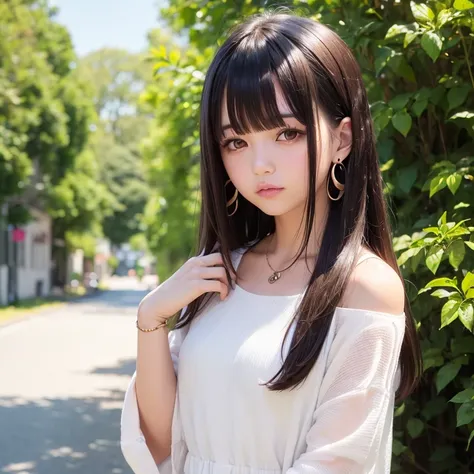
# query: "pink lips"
{"points": [[269, 191]]}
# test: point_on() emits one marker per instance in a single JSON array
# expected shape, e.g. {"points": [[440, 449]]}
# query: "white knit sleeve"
{"points": [[132, 440], [355, 402]]}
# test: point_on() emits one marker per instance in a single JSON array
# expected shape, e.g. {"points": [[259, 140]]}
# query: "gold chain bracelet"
{"points": [[152, 329]]}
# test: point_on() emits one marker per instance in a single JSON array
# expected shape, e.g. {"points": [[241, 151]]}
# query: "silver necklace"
{"points": [[276, 275]]}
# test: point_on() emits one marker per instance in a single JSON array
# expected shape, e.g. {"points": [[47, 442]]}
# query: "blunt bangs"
{"points": [[246, 78]]}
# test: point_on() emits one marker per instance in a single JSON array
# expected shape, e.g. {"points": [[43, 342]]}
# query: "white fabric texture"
{"points": [[339, 421]]}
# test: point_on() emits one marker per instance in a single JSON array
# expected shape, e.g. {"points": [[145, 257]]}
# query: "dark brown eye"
{"points": [[289, 135], [236, 143]]}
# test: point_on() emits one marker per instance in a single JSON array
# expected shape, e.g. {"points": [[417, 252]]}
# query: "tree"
{"points": [[45, 117], [118, 78]]}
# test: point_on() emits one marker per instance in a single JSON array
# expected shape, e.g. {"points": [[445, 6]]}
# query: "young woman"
{"points": [[295, 335]]}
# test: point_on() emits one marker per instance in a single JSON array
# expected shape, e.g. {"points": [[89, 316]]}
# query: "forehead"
{"points": [[279, 96]]}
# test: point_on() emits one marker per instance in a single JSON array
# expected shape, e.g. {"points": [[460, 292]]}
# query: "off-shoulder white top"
{"points": [[339, 421]]}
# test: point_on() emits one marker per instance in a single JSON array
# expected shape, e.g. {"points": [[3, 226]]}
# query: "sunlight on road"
{"points": [[64, 377]]}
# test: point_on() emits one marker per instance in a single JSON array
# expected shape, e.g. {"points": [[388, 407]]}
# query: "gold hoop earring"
{"points": [[234, 198], [336, 183]]}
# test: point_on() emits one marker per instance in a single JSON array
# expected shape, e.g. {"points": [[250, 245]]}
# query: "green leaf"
{"points": [[424, 242], [453, 181], [437, 282], [444, 165], [449, 312], [384, 54], [424, 93], [446, 374], [470, 439], [466, 315], [442, 293], [434, 257], [470, 244], [467, 282], [175, 56], [402, 122], [382, 119], [415, 427], [456, 252], [405, 256], [434, 407], [416, 260], [463, 4], [419, 107], [406, 178], [465, 114], [422, 12], [443, 17], [443, 218], [400, 66], [397, 447], [400, 410], [396, 30], [386, 166], [457, 232], [444, 229], [159, 53], [432, 43], [464, 396], [435, 361], [457, 96], [453, 230], [409, 37], [463, 359], [437, 184], [433, 230], [400, 101], [465, 414], [432, 358]]}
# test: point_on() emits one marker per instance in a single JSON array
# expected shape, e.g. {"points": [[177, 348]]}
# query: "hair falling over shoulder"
{"points": [[313, 65]]}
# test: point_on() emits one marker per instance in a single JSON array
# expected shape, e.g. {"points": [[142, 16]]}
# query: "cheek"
{"points": [[297, 167], [238, 174], [232, 167]]}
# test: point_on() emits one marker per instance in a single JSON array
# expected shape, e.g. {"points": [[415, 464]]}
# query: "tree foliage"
{"points": [[45, 118], [117, 78], [417, 64]]}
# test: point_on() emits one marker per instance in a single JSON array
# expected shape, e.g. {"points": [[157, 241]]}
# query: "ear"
{"points": [[344, 139]]}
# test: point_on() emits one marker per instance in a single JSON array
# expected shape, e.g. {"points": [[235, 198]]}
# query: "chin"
{"points": [[277, 209]]}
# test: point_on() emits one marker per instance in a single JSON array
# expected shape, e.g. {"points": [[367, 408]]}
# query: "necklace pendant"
{"points": [[274, 277]]}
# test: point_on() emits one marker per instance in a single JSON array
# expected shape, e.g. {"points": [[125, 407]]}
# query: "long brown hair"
{"points": [[316, 70]]}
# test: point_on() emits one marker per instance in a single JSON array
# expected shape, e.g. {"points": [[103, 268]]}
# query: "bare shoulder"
{"points": [[375, 286]]}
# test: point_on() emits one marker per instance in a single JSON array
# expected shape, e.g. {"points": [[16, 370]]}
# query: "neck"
{"points": [[289, 232]]}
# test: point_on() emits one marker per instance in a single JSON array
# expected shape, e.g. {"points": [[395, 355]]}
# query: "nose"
{"points": [[262, 162]]}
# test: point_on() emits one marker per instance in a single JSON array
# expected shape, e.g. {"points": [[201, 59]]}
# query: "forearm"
{"points": [[156, 391]]}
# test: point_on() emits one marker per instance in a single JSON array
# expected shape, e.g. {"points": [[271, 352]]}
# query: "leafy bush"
{"points": [[417, 65]]}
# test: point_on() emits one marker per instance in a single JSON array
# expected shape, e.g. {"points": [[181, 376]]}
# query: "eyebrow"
{"points": [[226, 127]]}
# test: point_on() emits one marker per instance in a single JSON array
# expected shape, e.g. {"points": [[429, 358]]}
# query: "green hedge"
{"points": [[417, 66]]}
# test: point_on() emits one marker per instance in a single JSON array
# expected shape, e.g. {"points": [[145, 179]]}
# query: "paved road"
{"points": [[63, 376]]}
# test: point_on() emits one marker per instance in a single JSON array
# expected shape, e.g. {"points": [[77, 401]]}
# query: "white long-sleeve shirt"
{"points": [[339, 421]]}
